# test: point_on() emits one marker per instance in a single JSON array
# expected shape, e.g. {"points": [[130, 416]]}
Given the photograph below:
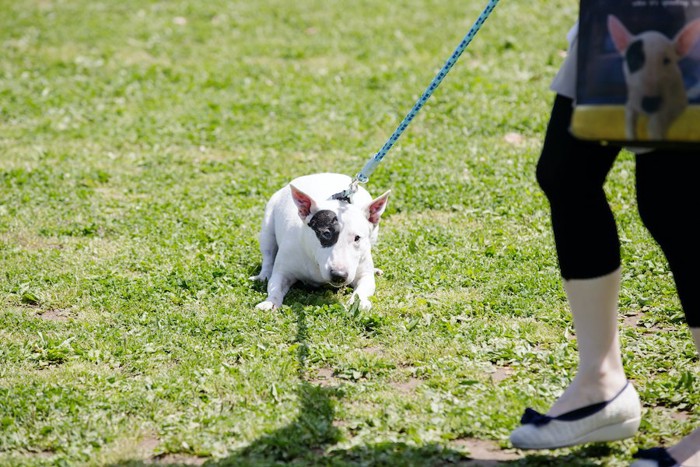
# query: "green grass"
{"points": [[140, 141]]}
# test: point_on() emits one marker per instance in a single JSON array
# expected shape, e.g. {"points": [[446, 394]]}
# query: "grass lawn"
{"points": [[140, 141]]}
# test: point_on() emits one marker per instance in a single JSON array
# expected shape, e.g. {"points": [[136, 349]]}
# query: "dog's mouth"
{"points": [[337, 283], [338, 279], [651, 104]]}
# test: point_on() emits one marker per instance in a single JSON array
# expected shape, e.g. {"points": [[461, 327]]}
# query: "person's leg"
{"points": [[668, 198], [572, 172], [600, 373]]}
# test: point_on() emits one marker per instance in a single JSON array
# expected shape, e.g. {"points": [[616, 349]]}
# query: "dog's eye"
{"points": [[667, 60], [357, 238], [326, 235]]}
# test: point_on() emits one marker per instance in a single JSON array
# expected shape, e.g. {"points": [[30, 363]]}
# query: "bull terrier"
{"points": [[309, 236]]}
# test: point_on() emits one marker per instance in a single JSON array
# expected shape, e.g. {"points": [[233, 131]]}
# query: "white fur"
{"points": [[659, 77], [292, 252]]}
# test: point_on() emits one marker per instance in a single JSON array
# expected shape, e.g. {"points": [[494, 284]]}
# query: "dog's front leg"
{"points": [[630, 124], [277, 288], [660, 123], [657, 128], [364, 288]]}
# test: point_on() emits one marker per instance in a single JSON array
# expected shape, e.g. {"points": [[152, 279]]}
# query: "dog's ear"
{"points": [[304, 203], [686, 39], [377, 207], [619, 33]]}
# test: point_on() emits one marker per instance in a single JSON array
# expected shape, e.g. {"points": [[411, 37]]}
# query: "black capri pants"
{"points": [[572, 172]]}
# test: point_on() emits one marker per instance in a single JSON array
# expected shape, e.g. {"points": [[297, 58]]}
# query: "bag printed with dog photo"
{"points": [[638, 73]]}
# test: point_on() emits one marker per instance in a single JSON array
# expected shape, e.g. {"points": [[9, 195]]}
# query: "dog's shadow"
{"points": [[315, 429], [310, 437]]}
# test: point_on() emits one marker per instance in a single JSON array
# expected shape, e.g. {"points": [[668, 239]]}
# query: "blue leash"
{"points": [[372, 163]]}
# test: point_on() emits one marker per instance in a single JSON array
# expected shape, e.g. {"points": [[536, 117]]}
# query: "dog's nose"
{"points": [[651, 104], [338, 277]]}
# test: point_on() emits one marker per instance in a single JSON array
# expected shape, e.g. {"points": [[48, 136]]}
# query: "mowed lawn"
{"points": [[139, 143]]}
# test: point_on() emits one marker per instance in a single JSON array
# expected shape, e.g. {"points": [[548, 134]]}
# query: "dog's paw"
{"points": [[378, 272], [260, 277], [265, 306], [362, 304]]}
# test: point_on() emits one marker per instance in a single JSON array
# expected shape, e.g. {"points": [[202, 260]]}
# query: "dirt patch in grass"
{"points": [[407, 387], [373, 350], [30, 241], [500, 374], [324, 377], [148, 445], [40, 454], [54, 315], [678, 415], [484, 452], [632, 320], [636, 320], [178, 459]]}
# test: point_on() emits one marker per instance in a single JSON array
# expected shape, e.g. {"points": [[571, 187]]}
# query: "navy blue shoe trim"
{"points": [[660, 455], [532, 416]]}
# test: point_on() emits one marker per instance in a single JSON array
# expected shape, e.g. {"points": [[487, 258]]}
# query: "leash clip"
{"points": [[346, 194]]}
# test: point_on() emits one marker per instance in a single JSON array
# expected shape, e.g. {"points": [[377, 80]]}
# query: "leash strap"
{"points": [[372, 163]]}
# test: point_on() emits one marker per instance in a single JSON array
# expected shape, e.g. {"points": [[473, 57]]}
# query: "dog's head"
{"points": [[651, 63], [340, 234]]}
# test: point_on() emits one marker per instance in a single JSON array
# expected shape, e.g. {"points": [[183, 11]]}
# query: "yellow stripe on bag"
{"points": [[607, 123]]}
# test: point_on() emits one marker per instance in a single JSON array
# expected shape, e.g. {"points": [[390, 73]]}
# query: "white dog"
{"points": [[308, 236], [654, 82]]}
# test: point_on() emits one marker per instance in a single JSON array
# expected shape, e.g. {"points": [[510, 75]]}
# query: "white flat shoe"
{"points": [[611, 420], [654, 457]]}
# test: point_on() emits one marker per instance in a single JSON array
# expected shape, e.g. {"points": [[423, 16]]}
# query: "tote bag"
{"points": [[638, 73]]}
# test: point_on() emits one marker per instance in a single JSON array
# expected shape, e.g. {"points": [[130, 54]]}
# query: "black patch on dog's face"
{"points": [[325, 224], [635, 56]]}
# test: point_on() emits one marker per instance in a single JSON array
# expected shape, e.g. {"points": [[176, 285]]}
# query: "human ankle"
{"points": [[589, 387], [606, 379]]}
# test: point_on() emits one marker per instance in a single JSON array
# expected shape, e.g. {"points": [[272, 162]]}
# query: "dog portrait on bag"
{"points": [[638, 70]]}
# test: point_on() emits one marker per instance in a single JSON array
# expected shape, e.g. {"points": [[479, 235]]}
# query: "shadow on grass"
{"points": [[307, 439]]}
